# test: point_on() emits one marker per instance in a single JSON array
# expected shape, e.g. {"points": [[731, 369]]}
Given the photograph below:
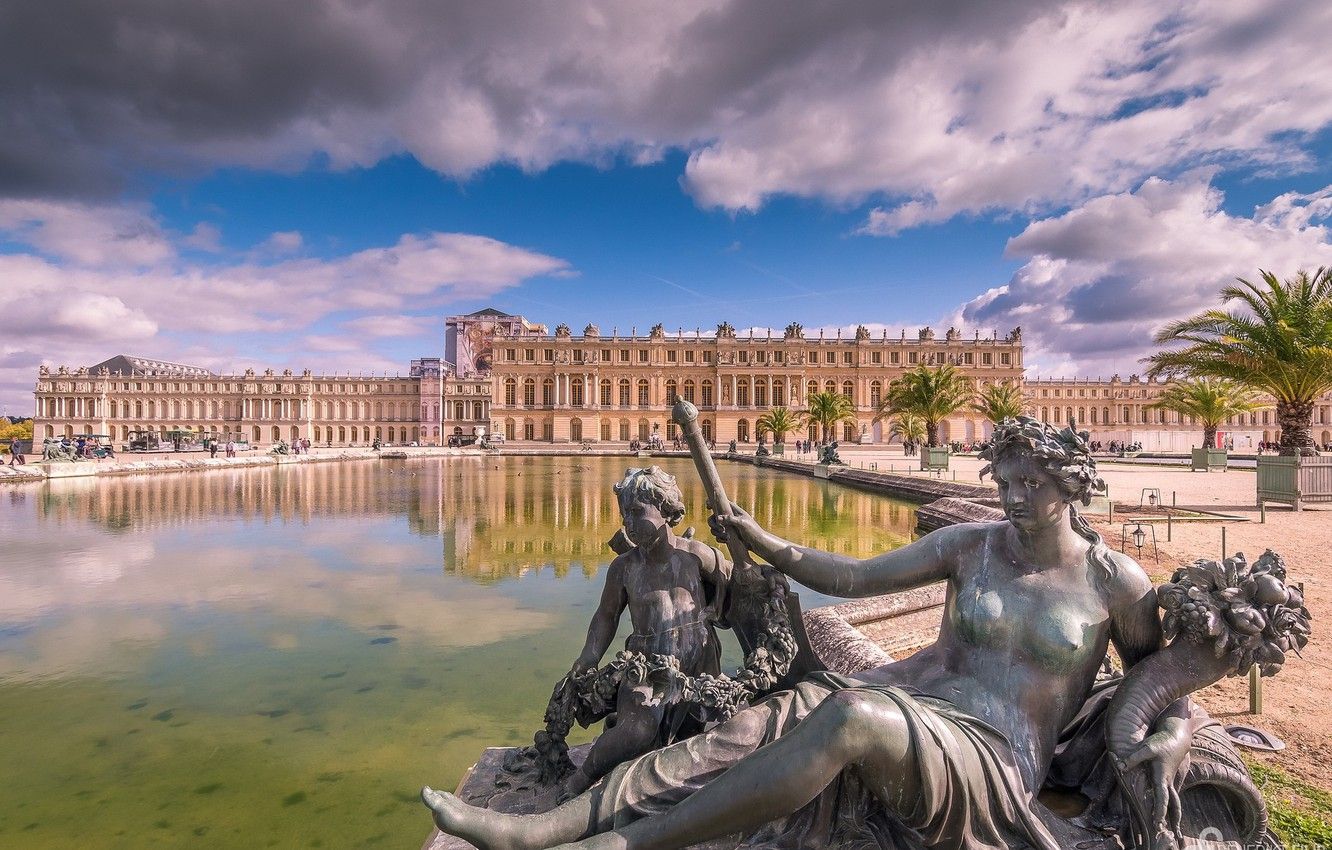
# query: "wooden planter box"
{"points": [[934, 458], [1294, 480], [1206, 460]]}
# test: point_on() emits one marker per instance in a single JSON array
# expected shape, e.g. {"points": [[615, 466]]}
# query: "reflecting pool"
{"points": [[281, 657]]}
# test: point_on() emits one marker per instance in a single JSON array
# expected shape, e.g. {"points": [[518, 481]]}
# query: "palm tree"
{"points": [[932, 393], [827, 410], [1209, 400], [1282, 345], [908, 427], [998, 402], [779, 421]]}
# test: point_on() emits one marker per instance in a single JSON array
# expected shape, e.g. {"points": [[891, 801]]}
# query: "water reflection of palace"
{"points": [[496, 518]]}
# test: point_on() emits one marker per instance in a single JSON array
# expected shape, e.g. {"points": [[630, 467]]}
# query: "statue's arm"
{"points": [[601, 631], [923, 562]]}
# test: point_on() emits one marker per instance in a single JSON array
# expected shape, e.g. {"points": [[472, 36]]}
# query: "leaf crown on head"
{"points": [[1064, 453]]}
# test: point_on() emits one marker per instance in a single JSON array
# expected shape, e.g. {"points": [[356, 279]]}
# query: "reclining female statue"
{"points": [[948, 748]]}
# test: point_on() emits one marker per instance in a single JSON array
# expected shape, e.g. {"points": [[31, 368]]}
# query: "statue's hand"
{"points": [[1164, 753], [739, 522]]}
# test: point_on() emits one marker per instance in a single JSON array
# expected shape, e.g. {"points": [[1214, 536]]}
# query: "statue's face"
{"points": [[643, 524], [1031, 498]]}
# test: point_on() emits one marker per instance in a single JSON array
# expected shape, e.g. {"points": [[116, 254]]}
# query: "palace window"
{"points": [[670, 355], [624, 355], [760, 394], [689, 391], [876, 357], [605, 355], [547, 392], [642, 355], [830, 357], [707, 393], [779, 357], [606, 394], [849, 390], [848, 358], [529, 392], [707, 357], [529, 355], [1006, 358], [670, 391], [778, 394], [876, 393], [576, 393], [689, 356], [742, 394], [643, 393], [549, 355], [913, 357], [624, 392]]}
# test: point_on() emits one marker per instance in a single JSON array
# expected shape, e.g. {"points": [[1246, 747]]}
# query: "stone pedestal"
{"points": [[62, 469]]}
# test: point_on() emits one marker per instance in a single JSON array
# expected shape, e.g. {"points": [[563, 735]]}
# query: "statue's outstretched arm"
{"points": [[923, 562]]}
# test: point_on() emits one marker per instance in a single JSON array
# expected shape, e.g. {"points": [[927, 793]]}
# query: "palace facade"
{"points": [[503, 374]]}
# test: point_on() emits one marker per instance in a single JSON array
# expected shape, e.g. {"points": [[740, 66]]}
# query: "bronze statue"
{"points": [[951, 747]]}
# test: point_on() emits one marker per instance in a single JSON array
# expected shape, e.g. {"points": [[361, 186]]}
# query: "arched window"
{"points": [[742, 394], [379, 413], [689, 391], [707, 430], [508, 429], [707, 393], [778, 394], [849, 390], [605, 393], [624, 430], [458, 411], [624, 394], [671, 391], [529, 392], [576, 429], [606, 423], [810, 389], [643, 395], [547, 392], [742, 430], [830, 386], [760, 394], [876, 393], [576, 393], [477, 411], [643, 430], [529, 430]]}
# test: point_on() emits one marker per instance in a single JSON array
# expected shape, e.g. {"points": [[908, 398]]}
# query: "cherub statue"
{"points": [[672, 587]]}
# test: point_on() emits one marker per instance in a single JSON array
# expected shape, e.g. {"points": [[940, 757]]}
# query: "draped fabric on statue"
{"points": [[972, 795]]}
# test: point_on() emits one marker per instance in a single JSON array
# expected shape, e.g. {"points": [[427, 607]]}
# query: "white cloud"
{"points": [[83, 313], [92, 235], [393, 326], [926, 110], [205, 237], [1100, 279], [283, 242]]}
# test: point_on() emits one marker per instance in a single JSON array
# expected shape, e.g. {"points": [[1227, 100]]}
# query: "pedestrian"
{"points": [[212, 449], [231, 447], [16, 456]]}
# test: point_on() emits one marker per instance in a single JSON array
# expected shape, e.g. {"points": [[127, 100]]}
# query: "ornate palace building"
{"points": [[1122, 410], [504, 374], [615, 388]]}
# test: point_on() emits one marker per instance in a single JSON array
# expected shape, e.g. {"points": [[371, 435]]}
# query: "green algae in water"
{"points": [[196, 660]]}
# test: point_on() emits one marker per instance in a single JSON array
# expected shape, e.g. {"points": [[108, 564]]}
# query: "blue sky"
{"points": [[246, 183]]}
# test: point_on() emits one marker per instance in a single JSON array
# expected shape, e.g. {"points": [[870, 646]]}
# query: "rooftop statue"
{"points": [[795, 330], [862, 333], [658, 331], [726, 330], [962, 744]]}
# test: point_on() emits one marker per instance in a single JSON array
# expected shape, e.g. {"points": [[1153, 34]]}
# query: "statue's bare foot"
{"points": [[486, 829]]}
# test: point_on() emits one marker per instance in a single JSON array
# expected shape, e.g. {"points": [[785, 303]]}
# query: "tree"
{"points": [[908, 427], [1280, 344], [933, 393], [779, 421], [998, 402], [829, 409], [1209, 400], [20, 429]]}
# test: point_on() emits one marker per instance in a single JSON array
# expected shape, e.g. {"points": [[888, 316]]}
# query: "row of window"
{"points": [[830, 358], [190, 387], [1101, 416], [704, 394]]}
